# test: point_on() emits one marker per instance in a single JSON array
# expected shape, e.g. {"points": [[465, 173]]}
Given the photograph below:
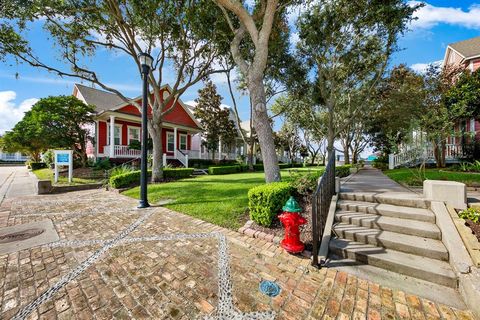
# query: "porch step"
{"points": [[393, 198], [410, 227], [394, 211], [200, 172], [424, 247], [428, 269]]}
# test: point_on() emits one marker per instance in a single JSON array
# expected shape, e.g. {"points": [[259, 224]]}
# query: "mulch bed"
{"points": [[475, 227], [277, 229]]}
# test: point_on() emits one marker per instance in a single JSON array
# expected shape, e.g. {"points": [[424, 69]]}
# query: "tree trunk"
{"points": [[263, 129], [346, 155], [250, 155], [330, 131], [314, 156], [155, 131]]}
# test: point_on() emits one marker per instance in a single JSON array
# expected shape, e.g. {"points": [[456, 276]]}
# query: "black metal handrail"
{"points": [[320, 205]]}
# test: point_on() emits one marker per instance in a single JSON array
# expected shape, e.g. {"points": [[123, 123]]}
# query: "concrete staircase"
{"points": [[395, 233]]}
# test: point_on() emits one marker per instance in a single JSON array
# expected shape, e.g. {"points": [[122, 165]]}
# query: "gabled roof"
{"points": [[467, 48], [102, 100]]}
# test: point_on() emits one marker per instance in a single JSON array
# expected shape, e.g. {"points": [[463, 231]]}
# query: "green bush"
{"points": [[102, 164], [125, 179], [342, 171], [381, 162], [284, 165], [258, 167], [470, 214], [177, 173], [48, 158], [37, 165], [305, 184], [297, 165], [133, 177], [223, 170], [120, 170], [265, 201]]}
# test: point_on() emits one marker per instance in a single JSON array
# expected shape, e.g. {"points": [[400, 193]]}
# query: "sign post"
{"points": [[64, 158]]}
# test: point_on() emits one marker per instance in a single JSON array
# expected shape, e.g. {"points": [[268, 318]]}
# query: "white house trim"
{"points": [[180, 141], [128, 133], [167, 135]]}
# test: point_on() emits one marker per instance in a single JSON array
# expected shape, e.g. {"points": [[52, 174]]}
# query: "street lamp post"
{"points": [[146, 62]]}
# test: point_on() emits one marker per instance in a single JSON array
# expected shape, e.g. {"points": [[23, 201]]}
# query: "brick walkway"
{"points": [[117, 262]]}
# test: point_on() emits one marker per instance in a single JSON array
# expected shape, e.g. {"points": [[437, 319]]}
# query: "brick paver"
{"points": [[166, 265]]}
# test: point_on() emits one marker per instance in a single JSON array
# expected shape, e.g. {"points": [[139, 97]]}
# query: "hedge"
{"points": [[223, 170], [284, 165], [205, 163], [258, 167], [37, 165], [177, 173], [265, 201], [133, 177], [342, 171]]}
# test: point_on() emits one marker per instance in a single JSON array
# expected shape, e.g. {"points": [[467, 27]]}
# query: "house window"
{"points": [[133, 134], [183, 142], [117, 134], [170, 142], [472, 125]]}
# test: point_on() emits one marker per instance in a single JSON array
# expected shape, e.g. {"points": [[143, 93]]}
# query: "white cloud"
{"points": [[422, 67], [430, 16], [10, 113]]}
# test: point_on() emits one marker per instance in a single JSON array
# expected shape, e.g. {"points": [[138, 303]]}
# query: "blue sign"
{"points": [[63, 158]]}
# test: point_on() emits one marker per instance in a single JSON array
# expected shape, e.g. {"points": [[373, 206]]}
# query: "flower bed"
{"points": [[472, 220]]}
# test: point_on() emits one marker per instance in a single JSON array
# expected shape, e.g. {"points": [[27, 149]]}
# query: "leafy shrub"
{"points": [[470, 214], [265, 201], [223, 170], [284, 165], [305, 184], [37, 165], [177, 173], [102, 164], [297, 165], [133, 177], [244, 168], [381, 162], [48, 158], [258, 167], [342, 171], [120, 170], [125, 179]]}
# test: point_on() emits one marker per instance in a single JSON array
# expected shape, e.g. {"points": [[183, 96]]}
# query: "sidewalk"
{"points": [[115, 261], [369, 180]]}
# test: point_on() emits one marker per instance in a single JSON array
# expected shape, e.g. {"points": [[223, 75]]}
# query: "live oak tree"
{"points": [[346, 45], [215, 120], [288, 139], [53, 123], [438, 116], [185, 35], [254, 26], [399, 100]]}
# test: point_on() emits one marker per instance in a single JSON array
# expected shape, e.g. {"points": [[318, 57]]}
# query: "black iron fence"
{"points": [[320, 205]]}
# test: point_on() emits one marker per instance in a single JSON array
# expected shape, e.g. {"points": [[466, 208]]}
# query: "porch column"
{"points": [[220, 149], [112, 136], [175, 142]]}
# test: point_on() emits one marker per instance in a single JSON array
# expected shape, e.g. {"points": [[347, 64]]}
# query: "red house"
{"points": [[465, 54], [123, 119]]}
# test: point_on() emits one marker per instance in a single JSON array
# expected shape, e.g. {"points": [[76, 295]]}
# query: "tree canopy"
{"points": [[214, 119], [53, 123]]}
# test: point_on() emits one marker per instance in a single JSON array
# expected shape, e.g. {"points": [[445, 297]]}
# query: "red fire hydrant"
{"points": [[291, 220]]}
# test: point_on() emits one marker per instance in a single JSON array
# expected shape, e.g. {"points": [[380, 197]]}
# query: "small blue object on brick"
{"points": [[269, 288]]}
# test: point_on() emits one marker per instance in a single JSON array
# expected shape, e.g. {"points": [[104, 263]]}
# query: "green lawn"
{"points": [[47, 174], [414, 177], [219, 199]]}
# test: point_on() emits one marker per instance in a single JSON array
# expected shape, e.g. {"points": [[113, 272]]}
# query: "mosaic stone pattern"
{"points": [[116, 262]]}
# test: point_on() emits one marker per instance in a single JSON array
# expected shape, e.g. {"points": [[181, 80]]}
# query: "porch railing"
{"points": [[122, 151], [417, 154], [320, 205]]}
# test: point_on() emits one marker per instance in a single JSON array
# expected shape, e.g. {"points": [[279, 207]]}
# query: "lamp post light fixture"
{"points": [[146, 61]]}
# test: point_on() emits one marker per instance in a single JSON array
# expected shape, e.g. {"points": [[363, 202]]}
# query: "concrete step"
{"points": [[411, 227], [423, 268], [405, 199], [388, 210], [424, 247]]}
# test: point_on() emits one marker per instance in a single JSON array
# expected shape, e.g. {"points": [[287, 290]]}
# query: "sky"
{"points": [[439, 23]]}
